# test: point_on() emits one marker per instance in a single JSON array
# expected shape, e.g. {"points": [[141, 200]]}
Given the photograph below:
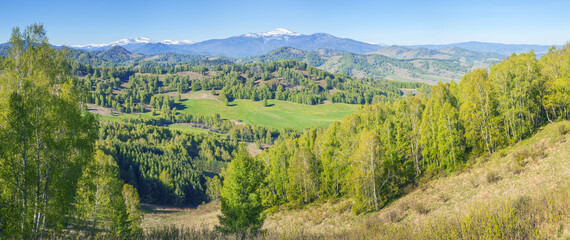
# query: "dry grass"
{"points": [[204, 216]]}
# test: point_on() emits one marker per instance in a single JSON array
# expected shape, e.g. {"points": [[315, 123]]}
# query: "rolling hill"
{"points": [[500, 48], [395, 63], [117, 54]]}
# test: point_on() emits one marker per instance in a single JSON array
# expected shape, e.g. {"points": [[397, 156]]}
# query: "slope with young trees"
{"points": [[389, 146]]}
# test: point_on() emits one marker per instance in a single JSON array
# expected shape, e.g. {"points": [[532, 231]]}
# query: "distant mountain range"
{"points": [[252, 44], [245, 45], [423, 63]]}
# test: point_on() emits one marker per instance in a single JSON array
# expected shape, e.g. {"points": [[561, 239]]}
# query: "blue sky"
{"points": [[391, 22]]}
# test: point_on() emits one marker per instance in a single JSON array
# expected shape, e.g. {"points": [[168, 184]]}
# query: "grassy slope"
{"points": [[443, 198]]}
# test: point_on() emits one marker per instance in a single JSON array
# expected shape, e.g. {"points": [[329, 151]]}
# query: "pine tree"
{"points": [[240, 199]]}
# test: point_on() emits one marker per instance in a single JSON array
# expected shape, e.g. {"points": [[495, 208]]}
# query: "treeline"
{"points": [[376, 153], [296, 81], [214, 123], [119, 88], [166, 166]]}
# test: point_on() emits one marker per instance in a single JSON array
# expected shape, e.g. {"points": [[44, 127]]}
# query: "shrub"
{"points": [[493, 177], [443, 197], [562, 130], [421, 208], [503, 153], [538, 152], [520, 157]]}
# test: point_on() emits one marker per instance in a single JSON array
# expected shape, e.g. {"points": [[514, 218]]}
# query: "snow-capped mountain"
{"points": [[139, 41], [279, 32], [130, 44], [252, 44], [181, 42]]}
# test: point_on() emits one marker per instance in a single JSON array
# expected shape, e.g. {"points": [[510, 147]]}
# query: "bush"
{"points": [[393, 216], [503, 153], [538, 152], [519, 161], [493, 177], [562, 130], [421, 208]]}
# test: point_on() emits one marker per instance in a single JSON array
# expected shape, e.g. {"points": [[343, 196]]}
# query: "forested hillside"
{"points": [[374, 155], [395, 62], [141, 88]]}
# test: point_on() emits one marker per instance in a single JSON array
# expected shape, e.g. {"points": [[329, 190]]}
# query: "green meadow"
{"points": [[277, 114]]}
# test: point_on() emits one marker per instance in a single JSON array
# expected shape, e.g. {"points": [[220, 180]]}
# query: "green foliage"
{"points": [[133, 210], [240, 199], [166, 166], [104, 203], [213, 188], [46, 139]]}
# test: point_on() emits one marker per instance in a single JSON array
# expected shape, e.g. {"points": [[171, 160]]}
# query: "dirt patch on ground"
{"points": [[253, 150], [237, 122], [92, 108], [203, 216], [334, 90], [201, 95], [199, 126], [213, 73], [192, 95], [191, 75], [409, 91]]}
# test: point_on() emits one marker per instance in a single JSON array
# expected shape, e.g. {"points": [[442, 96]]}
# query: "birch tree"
{"points": [[45, 137]]}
